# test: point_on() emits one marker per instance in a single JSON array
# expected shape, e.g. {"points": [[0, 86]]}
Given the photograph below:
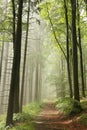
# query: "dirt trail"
{"points": [[52, 119]]}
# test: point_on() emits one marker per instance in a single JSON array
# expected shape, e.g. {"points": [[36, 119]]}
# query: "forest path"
{"points": [[51, 118]]}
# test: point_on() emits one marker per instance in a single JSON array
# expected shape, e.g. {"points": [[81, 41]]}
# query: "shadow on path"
{"points": [[50, 118]]}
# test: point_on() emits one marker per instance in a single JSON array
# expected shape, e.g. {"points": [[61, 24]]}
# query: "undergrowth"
{"points": [[84, 104], [83, 119], [23, 121], [69, 106]]}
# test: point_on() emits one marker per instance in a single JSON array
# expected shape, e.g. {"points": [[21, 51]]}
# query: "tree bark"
{"points": [[80, 50], [36, 83], [1, 60], [67, 48], [14, 87], [25, 52], [75, 53], [84, 69], [4, 77]]}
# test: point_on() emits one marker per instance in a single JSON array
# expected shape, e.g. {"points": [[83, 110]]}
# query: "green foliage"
{"points": [[33, 109], [23, 120], [83, 119], [52, 11], [21, 117], [29, 112], [69, 106], [2, 122], [24, 126], [84, 104]]}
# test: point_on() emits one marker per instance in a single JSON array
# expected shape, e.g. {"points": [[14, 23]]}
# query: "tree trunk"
{"points": [[1, 60], [30, 83], [84, 68], [40, 81], [75, 53], [4, 77], [14, 21], [36, 83], [14, 87], [67, 48], [67, 45], [24, 63], [62, 78], [80, 50]]}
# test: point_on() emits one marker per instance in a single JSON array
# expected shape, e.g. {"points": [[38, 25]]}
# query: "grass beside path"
{"points": [[74, 116], [23, 121]]}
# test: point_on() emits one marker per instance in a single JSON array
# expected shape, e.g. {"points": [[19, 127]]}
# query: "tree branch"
{"points": [[55, 33]]}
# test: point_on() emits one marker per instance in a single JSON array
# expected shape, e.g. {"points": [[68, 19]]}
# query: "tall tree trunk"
{"points": [[1, 60], [14, 21], [80, 50], [26, 84], [67, 45], [67, 48], [14, 36], [36, 83], [40, 81], [25, 52], [75, 53], [84, 68], [14, 87], [30, 83], [4, 77], [62, 78], [1, 63]]}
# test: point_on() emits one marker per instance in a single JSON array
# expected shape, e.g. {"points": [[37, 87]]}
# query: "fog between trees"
{"points": [[42, 52]]}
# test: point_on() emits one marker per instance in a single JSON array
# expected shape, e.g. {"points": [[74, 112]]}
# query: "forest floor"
{"points": [[51, 118]]}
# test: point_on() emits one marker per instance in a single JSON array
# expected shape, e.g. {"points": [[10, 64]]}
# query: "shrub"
{"points": [[23, 120], [84, 104], [33, 108], [83, 119], [24, 126], [29, 112], [2, 122], [69, 106]]}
